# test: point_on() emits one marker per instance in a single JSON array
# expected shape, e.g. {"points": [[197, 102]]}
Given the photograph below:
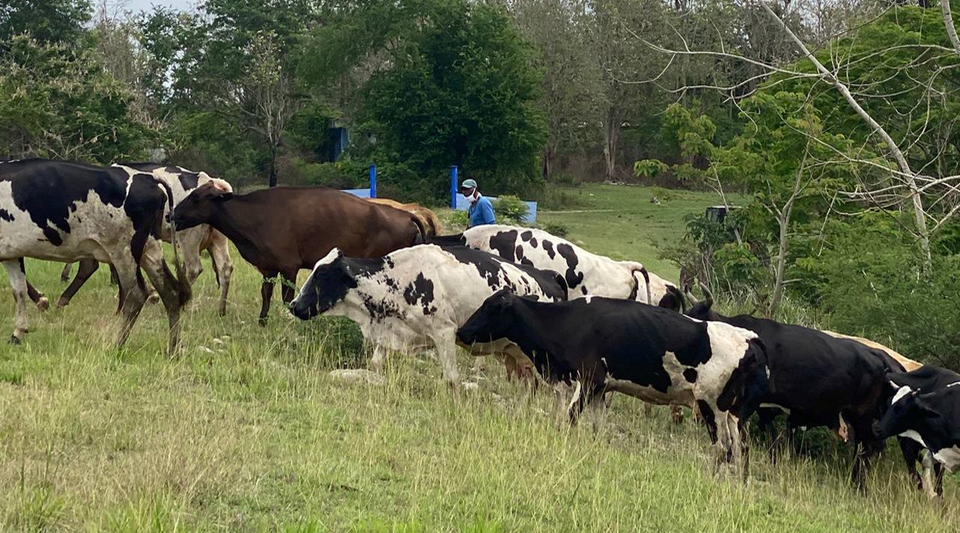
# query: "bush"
{"points": [[335, 175], [556, 229], [510, 209], [869, 280]]}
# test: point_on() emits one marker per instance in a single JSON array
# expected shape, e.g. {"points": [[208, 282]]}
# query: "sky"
{"points": [[145, 5]]}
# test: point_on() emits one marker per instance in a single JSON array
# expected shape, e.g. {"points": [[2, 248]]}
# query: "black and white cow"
{"points": [[932, 420], [819, 380], [416, 298], [585, 273], [65, 211], [192, 241], [600, 345], [924, 380]]}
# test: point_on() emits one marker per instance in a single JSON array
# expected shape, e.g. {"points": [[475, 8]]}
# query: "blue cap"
{"points": [[468, 184]]}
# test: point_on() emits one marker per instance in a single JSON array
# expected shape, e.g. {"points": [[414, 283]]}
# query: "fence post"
{"points": [[454, 185], [373, 181]]}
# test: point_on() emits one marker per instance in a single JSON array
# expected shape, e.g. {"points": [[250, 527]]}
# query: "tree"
{"points": [[237, 60], [449, 82], [60, 103], [571, 88], [46, 21]]}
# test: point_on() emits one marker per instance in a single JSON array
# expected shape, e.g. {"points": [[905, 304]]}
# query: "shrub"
{"points": [[510, 209], [556, 229]]}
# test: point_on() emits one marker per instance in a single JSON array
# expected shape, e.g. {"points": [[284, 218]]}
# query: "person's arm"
{"points": [[486, 213]]}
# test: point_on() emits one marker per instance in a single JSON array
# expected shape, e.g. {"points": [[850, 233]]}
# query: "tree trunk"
{"points": [[919, 212], [611, 135], [547, 163], [273, 166]]}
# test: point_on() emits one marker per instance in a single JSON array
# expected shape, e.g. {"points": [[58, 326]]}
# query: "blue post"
{"points": [[373, 181], [454, 185]]}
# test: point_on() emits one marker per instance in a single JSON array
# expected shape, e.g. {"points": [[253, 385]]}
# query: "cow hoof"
{"points": [[153, 298], [15, 340], [43, 303], [62, 302], [262, 321]]}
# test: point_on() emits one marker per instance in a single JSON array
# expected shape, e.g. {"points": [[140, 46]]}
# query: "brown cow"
{"points": [[428, 218], [907, 363], [285, 229]]}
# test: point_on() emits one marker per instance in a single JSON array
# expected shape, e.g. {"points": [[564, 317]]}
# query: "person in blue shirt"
{"points": [[481, 210]]}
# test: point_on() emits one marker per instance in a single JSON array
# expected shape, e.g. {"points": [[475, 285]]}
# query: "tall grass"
{"points": [[247, 431]]}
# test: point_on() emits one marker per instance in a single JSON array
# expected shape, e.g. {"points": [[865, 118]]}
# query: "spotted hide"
{"points": [[63, 211], [930, 419], [596, 345], [924, 380], [585, 273], [819, 381], [416, 298], [192, 241]]}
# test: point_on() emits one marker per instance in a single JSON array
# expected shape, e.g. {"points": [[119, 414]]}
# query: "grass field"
{"points": [[246, 431]]}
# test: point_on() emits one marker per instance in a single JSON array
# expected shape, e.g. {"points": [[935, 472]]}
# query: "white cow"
{"points": [[416, 298], [585, 273], [62, 211], [192, 241]]}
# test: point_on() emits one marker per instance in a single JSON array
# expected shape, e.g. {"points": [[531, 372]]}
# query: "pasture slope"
{"points": [[247, 432]]}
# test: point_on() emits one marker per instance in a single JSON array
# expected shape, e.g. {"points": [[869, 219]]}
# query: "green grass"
{"points": [[620, 221], [246, 431]]}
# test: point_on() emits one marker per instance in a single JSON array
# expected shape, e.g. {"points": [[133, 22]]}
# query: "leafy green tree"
{"points": [[46, 21], [60, 103], [449, 82]]}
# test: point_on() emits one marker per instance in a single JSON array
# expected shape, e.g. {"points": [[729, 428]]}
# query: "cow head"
{"points": [[907, 406], [327, 285], [702, 310], [200, 205], [492, 321]]}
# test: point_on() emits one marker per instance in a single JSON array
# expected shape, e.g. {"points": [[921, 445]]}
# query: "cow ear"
{"points": [[923, 408]]}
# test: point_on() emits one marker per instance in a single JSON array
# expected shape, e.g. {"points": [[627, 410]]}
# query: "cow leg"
{"points": [[446, 346], [288, 286], [937, 475], [379, 356], [166, 286], [724, 438], [132, 294], [84, 271], [18, 282], [65, 273], [38, 298], [866, 447], [743, 444], [266, 292], [584, 393], [932, 480], [767, 420], [911, 454], [222, 266], [676, 414]]}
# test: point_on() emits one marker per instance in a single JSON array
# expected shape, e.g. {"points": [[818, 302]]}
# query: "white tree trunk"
{"points": [[923, 234]]}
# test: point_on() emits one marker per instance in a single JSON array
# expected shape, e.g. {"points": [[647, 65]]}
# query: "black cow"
{"points": [[931, 419], [598, 345], [65, 211], [820, 381], [923, 380]]}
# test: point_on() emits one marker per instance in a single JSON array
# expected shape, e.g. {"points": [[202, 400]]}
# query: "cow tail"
{"points": [[180, 281], [646, 281], [680, 298], [421, 236]]}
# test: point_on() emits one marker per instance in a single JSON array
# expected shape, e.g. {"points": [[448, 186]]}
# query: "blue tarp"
{"points": [[359, 193]]}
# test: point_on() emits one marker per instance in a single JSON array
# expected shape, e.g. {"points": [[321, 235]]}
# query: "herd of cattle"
{"points": [[585, 324]]}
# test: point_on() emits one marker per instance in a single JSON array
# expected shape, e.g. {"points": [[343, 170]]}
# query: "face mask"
{"points": [[473, 196]]}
